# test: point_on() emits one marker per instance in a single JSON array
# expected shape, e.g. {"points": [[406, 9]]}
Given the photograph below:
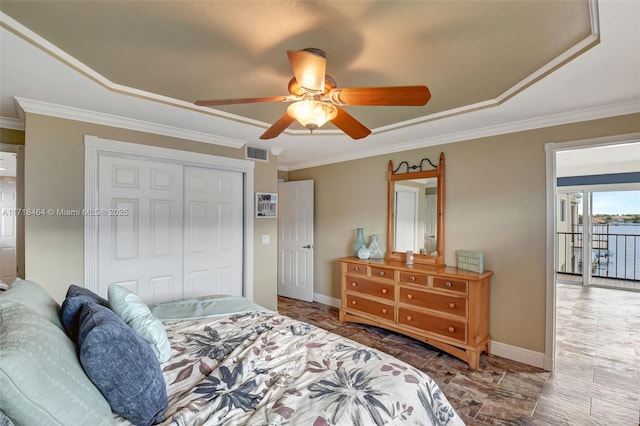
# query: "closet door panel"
{"points": [[140, 227], [213, 232]]}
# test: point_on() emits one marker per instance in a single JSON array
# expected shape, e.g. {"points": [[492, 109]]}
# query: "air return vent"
{"points": [[259, 154]]}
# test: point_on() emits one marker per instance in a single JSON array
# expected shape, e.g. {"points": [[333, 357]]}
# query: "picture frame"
{"points": [[266, 205]]}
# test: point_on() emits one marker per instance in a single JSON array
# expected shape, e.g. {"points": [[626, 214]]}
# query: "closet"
{"points": [[168, 229]]}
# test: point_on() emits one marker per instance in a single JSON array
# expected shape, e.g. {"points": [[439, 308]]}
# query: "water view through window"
{"points": [[614, 249]]}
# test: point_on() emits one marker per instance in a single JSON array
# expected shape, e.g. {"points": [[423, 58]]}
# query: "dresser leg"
{"points": [[474, 359]]}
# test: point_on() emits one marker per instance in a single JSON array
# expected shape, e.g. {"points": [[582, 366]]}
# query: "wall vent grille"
{"points": [[259, 154]]}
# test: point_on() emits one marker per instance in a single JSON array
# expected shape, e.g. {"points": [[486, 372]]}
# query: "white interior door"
{"points": [[213, 232], [295, 241], [7, 231], [140, 227]]}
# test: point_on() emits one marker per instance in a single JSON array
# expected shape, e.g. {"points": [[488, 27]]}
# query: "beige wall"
{"points": [[54, 178], [495, 203]]}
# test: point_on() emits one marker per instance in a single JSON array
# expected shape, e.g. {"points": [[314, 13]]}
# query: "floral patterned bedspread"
{"points": [[261, 368]]}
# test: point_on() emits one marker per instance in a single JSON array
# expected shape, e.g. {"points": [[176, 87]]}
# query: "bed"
{"points": [[229, 362]]}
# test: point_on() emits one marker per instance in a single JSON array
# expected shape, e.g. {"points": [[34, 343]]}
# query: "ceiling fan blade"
{"points": [[214, 102], [391, 96], [308, 67], [352, 127], [278, 127]]}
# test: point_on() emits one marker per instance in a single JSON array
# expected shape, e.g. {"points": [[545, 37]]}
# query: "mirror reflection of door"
{"points": [[430, 226], [416, 206], [406, 218]]}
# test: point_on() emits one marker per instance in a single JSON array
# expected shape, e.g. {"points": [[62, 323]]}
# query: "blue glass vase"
{"points": [[360, 241]]}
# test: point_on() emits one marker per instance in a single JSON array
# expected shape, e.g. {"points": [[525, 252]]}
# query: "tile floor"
{"points": [[596, 381], [633, 285]]}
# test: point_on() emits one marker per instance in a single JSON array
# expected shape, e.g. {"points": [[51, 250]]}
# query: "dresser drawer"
{"points": [[373, 288], [380, 310], [459, 286], [411, 278], [452, 329], [383, 273], [356, 269], [438, 302]]}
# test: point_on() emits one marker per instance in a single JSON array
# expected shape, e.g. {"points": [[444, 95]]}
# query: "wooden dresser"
{"points": [[443, 306]]}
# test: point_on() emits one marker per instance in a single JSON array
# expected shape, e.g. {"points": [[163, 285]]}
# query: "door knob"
{"points": [[307, 246]]}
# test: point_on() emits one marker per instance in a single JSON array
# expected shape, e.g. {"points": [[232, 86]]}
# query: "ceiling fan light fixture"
{"points": [[312, 114]]}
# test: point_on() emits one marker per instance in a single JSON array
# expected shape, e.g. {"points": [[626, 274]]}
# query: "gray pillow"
{"points": [[122, 365], [41, 379]]}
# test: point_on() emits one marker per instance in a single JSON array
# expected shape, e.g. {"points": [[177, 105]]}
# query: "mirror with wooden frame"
{"points": [[415, 215]]}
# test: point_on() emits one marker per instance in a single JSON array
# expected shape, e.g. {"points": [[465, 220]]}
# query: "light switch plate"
{"points": [[266, 239]]}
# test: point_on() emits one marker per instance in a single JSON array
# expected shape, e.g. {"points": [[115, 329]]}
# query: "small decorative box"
{"points": [[470, 260]]}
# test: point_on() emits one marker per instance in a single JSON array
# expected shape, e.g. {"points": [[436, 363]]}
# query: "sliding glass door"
{"points": [[598, 236]]}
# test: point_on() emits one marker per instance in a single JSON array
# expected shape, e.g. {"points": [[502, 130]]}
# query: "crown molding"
{"points": [[275, 150], [11, 123], [587, 114], [71, 113]]}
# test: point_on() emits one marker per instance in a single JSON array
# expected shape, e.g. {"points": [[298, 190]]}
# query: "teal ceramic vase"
{"points": [[360, 241]]}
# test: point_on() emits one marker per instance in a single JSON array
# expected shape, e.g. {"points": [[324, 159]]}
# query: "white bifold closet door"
{"points": [[213, 232], [181, 235]]}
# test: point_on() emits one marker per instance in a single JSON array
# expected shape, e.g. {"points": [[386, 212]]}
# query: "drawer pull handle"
{"points": [[353, 302], [412, 278], [381, 273], [384, 291], [452, 305], [447, 284], [451, 329], [354, 284], [355, 268], [409, 317], [409, 296], [384, 311]]}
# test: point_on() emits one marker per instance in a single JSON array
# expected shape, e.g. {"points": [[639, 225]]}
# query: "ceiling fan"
{"points": [[316, 98]]}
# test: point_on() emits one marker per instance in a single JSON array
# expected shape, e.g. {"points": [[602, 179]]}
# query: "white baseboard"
{"points": [[514, 353], [326, 300]]}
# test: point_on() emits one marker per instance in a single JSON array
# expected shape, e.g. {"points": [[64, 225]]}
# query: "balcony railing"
{"points": [[613, 255]]}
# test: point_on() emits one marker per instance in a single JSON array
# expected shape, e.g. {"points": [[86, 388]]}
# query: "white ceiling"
{"points": [[590, 80], [604, 159]]}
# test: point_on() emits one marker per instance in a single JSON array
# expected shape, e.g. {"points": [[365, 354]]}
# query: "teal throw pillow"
{"points": [[132, 309], [41, 379], [32, 295]]}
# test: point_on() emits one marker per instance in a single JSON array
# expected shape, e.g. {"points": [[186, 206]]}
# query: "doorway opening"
{"points": [[11, 219], [589, 240]]}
